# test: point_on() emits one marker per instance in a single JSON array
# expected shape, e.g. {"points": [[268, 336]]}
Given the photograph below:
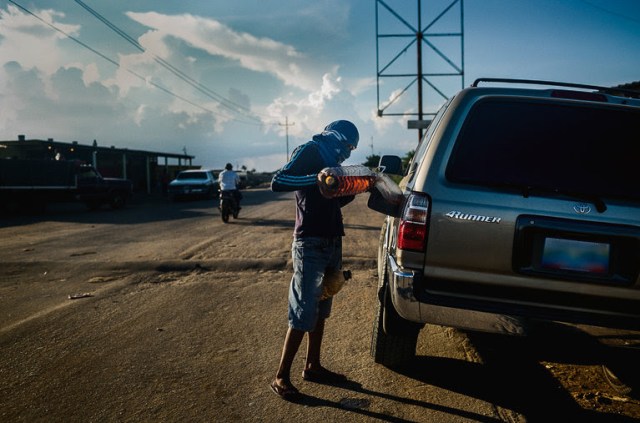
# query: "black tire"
{"points": [[224, 211], [382, 253], [92, 204], [35, 206], [621, 371], [117, 201], [618, 385], [393, 339], [391, 350], [395, 325]]}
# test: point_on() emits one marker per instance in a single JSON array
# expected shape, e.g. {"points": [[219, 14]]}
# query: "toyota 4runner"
{"points": [[522, 201]]}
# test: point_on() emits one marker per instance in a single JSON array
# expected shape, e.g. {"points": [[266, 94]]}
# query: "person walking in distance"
{"points": [[316, 251], [229, 181]]}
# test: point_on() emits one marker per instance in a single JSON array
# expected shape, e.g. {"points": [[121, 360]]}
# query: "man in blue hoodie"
{"points": [[316, 250]]}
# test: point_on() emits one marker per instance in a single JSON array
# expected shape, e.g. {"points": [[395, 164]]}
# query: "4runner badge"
{"points": [[473, 217]]}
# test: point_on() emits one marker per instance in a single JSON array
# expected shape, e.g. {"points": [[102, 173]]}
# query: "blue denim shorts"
{"points": [[312, 256]]}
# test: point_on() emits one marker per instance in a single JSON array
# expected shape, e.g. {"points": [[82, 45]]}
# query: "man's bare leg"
{"points": [[292, 342]]}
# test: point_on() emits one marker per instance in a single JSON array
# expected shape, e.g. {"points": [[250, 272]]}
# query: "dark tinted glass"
{"points": [[586, 150], [192, 175]]}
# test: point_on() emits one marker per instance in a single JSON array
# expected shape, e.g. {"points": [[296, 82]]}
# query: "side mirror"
{"points": [[390, 164]]}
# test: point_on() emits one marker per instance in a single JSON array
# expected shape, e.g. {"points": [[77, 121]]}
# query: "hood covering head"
{"points": [[336, 141]]}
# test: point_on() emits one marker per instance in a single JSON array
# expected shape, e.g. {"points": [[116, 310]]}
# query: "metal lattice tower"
{"points": [[440, 65]]}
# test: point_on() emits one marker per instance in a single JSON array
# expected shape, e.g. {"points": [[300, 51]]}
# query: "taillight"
{"points": [[412, 233]]}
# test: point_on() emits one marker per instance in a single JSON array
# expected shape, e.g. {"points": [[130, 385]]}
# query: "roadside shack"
{"points": [[146, 169]]}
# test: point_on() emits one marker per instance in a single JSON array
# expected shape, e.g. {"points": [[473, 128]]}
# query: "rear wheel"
{"points": [[394, 339], [224, 211], [117, 201], [93, 204], [621, 370], [615, 382], [235, 210], [388, 349]]}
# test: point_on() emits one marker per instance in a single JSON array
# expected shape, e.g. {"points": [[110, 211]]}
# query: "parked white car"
{"points": [[200, 183]]}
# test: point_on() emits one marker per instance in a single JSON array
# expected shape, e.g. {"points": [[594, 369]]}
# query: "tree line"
{"points": [[373, 160]]}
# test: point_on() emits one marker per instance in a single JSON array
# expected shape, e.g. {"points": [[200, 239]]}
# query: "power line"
{"points": [[24, 9], [602, 9], [234, 107], [110, 60], [112, 26]]}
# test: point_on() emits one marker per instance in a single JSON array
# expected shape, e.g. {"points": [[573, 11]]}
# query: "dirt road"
{"points": [[160, 312]]}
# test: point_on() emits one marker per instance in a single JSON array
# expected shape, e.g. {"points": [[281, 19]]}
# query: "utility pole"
{"points": [[286, 124]]}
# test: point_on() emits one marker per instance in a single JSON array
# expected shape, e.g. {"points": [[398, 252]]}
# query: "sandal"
{"points": [[287, 393], [323, 376]]}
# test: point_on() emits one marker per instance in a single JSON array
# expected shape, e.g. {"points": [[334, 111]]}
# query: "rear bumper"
{"points": [[404, 283], [191, 190], [570, 305], [470, 305]]}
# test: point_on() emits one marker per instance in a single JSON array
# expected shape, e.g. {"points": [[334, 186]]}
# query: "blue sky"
{"points": [[219, 79]]}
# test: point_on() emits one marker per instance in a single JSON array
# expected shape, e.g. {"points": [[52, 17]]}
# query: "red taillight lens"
{"points": [[412, 236], [412, 232]]}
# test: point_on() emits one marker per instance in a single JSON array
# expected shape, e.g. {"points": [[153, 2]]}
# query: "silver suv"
{"points": [[522, 201]]}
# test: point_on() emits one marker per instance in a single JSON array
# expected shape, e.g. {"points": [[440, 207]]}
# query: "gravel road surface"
{"points": [[161, 313]]}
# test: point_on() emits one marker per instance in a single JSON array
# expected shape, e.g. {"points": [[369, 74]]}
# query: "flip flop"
{"points": [[288, 393], [323, 376]]}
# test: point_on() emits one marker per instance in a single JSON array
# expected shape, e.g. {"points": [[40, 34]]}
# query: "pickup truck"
{"points": [[35, 183]]}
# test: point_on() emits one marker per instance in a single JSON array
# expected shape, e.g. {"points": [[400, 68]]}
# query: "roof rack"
{"points": [[608, 90]]}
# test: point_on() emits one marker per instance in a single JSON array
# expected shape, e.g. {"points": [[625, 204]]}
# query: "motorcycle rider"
{"points": [[229, 181]]}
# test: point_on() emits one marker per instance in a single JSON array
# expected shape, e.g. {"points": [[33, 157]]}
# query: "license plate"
{"points": [[576, 256]]}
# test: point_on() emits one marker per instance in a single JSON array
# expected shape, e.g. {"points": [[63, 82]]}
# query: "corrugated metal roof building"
{"points": [[146, 169]]}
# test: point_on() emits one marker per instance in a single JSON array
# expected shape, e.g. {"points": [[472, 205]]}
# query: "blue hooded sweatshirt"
{"points": [[316, 216]]}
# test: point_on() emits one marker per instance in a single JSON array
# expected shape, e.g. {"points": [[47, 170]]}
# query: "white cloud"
{"points": [[139, 114], [361, 85], [308, 112], [91, 74], [30, 42], [253, 53], [57, 89], [267, 163]]}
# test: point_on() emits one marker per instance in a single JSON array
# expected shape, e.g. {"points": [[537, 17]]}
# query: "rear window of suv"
{"points": [[537, 144], [192, 175]]}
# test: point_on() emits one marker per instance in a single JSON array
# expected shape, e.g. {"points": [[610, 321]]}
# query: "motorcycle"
{"points": [[228, 205]]}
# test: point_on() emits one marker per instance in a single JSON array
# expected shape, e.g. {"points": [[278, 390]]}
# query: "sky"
{"points": [[245, 82]]}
